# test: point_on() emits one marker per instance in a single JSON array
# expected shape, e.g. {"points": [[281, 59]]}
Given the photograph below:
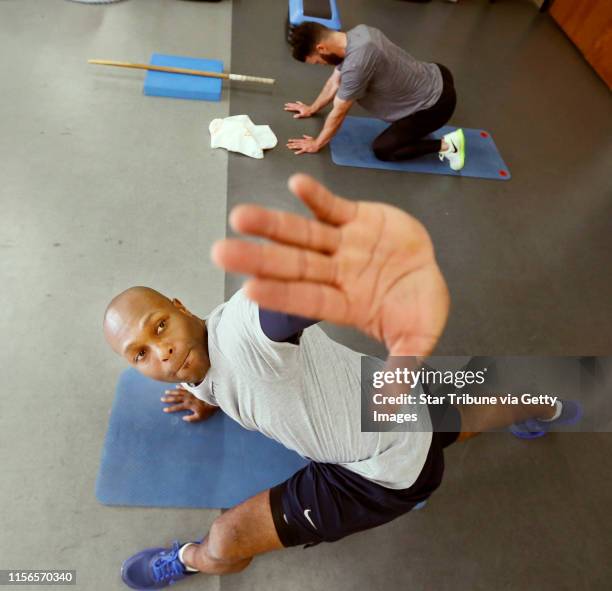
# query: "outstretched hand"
{"points": [[360, 263], [180, 399]]}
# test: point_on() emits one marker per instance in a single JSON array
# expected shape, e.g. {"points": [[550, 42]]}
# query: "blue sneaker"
{"points": [[154, 568], [571, 413]]}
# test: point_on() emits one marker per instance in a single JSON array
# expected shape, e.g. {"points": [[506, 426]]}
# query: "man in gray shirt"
{"points": [[415, 97]]}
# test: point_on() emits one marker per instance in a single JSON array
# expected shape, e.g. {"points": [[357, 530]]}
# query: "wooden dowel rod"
{"points": [[223, 75]]}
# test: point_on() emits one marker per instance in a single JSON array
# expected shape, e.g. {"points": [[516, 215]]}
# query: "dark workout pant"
{"points": [[402, 139]]}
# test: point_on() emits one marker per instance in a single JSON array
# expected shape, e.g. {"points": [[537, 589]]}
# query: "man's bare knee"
{"points": [[224, 541]]}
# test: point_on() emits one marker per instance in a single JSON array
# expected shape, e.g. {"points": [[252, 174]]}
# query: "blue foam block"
{"points": [[183, 85], [155, 459], [352, 146], [297, 15]]}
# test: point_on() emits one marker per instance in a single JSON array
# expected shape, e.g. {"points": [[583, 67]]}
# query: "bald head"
{"points": [[157, 335], [125, 304]]}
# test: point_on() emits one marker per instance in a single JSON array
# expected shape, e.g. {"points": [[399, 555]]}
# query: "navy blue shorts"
{"points": [[326, 502]]}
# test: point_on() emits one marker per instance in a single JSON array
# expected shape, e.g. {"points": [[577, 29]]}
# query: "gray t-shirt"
{"points": [[305, 396], [383, 78]]}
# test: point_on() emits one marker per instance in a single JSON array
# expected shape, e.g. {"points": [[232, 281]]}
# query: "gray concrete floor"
{"points": [[102, 188], [528, 264]]}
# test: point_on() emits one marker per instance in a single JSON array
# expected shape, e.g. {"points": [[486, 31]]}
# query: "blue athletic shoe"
{"points": [[154, 568], [571, 413]]}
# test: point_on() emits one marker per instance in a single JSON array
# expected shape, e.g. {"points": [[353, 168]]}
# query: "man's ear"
{"points": [[180, 306], [321, 48]]}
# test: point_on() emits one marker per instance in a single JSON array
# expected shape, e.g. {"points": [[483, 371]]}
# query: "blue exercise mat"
{"points": [[352, 146], [154, 459], [184, 86]]}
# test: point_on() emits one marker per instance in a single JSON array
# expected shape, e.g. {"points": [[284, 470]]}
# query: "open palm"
{"points": [[362, 263]]}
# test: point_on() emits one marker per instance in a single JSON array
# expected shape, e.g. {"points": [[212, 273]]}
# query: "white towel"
{"points": [[240, 134]]}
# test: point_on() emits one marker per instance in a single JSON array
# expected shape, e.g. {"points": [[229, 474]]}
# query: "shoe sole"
{"points": [[527, 434], [461, 146]]}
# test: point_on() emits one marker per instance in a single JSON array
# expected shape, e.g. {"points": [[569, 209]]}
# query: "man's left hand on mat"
{"points": [[306, 145], [182, 400]]}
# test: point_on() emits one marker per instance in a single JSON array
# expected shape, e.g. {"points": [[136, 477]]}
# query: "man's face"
{"points": [[325, 59], [159, 337], [325, 54]]}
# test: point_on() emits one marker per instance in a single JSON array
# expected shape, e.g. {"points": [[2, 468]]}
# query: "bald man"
{"points": [[360, 263]]}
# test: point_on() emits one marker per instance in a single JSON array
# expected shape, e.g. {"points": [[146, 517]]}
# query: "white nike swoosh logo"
{"points": [[306, 512]]}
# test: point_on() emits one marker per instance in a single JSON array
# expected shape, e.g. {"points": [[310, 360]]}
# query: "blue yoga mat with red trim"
{"points": [[352, 146]]}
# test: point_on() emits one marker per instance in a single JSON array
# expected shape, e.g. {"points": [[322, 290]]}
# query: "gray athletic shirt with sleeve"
{"points": [[305, 396], [383, 78]]}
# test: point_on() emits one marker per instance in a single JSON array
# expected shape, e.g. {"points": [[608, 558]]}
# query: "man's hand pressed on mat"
{"points": [[180, 399]]}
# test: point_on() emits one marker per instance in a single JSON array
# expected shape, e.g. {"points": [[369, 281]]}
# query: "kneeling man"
{"points": [[416, 97]]}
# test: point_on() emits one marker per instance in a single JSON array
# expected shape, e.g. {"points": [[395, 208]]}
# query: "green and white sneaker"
{"points": [[455, 154]]}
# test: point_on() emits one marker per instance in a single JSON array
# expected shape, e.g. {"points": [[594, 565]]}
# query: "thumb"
{"points": [[190, 418]]}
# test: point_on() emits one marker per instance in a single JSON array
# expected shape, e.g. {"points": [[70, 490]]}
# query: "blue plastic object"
{"points": [[154, 459], [299, 14], [184, 86], [572, 412], [352, 146]]}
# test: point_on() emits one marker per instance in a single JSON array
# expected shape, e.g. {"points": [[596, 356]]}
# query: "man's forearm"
{"points": [[332, 124], [327, 96]]}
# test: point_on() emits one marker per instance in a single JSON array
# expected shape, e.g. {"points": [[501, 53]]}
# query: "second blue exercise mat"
{"points": [[154, 459], [352, 146]]}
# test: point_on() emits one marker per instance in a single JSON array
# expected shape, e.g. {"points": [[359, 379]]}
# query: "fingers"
{"points": [[285, 228], [192, 418], [295, 143], [176, 407], [298, 108], [321, 201], [274, 261], [306, 299], [177, 395], [298, 146]]}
